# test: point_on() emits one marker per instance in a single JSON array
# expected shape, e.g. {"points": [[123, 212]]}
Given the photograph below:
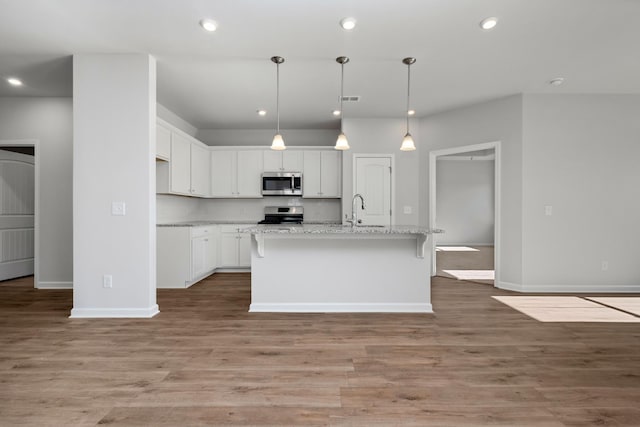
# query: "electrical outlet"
{"points": [[407, 210], [107, 281], [605, 265]]}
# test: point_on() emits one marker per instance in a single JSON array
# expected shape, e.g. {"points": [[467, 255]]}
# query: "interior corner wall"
{"points": [[172, 118], [384, 136], [114, 122], [465, 194], [581, 156], [50, 121], [497, 120]]}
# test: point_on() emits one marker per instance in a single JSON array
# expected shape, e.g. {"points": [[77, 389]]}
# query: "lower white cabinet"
{"points": [[186, 255], [235, 247]]}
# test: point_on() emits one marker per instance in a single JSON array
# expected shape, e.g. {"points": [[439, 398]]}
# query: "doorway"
{"points": [[471, 249], [373, 178], [18, 209]]}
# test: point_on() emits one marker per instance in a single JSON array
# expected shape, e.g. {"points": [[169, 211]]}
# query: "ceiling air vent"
{"points": [[351, 98]]}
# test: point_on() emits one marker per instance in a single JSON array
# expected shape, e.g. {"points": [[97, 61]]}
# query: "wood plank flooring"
{"points": [[204, 360]]}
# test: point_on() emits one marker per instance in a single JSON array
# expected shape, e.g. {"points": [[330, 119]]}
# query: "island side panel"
{"points": [[320, 273]]}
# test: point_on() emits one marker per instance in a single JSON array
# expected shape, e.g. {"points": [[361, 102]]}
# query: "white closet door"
{"points": [[373, 182], [17, 201]]}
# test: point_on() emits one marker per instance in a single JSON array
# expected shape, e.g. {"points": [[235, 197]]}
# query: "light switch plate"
{"points": [[407, 210], [118, 208], [548, 210]]}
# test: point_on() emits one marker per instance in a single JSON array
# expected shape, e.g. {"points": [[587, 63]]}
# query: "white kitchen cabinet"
{"points": [[236, 173], [322, 176], [235, 247], [180, 165], [188, 170], [163, 143], [200, 171], [186, 255], [283, 161]]}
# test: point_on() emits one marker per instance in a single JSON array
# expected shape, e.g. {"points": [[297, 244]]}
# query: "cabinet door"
{"points": [[244, 250], [223, 173], [180, 164], [199, 246], [200, 161], [330, 172], [249, 173], [163, 143], [272, 161], [212, 251], [228, 250], [292, 161], [311, 175]]}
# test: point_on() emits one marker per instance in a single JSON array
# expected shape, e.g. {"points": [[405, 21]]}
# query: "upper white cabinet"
{"points": [[187, 171], [163, 143], [322, 174], [236, 173], [281, 161], [200, 171], [180, 165]]}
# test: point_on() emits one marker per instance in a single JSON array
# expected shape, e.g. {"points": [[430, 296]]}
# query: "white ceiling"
{"points": [[219, 80]]}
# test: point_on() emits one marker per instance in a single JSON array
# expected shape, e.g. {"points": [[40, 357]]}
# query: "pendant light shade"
{"points": [[278, 142], [342, 143], [407, 141]]}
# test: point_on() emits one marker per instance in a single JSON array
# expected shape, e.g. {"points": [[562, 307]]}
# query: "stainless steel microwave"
{"points": [[282, 184]]}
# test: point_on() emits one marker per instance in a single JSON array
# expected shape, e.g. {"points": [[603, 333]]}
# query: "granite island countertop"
{"points": [[202, 223], [283, 229]]}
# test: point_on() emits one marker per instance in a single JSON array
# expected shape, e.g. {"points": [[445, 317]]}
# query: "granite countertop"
{"points": [[203, 223], [338, 229]]}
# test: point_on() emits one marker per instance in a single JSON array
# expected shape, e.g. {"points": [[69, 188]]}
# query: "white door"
{"points": [[249, 174], [180, 164], [223, 173], [17, 179], [373, 182], [200, 171]]}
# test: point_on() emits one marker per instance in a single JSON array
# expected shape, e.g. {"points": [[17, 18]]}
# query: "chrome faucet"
{"points": [[354, 210]]}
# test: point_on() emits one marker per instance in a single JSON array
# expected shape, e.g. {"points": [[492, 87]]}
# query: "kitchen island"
{"points": [[336, 268]]}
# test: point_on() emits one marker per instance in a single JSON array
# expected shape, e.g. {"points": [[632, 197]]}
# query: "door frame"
{"points": [[433, 156], [393, 175], [35, 143]]}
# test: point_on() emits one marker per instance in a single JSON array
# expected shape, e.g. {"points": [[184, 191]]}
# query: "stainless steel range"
{"points": [[283, 215]]}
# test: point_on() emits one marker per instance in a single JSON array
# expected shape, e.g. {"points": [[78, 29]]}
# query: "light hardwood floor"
{"points": [[204, 360]]}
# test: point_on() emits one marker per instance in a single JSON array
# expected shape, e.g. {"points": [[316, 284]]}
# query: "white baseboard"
{"points": [[54, 285], [515, 287], [78, 313], [569, 289], [233, 270], [341, 308]]}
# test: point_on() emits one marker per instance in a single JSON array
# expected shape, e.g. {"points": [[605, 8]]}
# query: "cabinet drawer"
{"points": [[203, 230]]}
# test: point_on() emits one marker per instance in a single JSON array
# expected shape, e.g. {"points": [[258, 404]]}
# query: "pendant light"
{"points": [[341, 142], [278, 142], [407, 141]]}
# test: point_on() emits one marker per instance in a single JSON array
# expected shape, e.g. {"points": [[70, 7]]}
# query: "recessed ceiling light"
{"points": [[262, 112], [348, 23], [411, 112], [14, 81], [557, 81], [488, 23], [336, 112], [209, 24]]}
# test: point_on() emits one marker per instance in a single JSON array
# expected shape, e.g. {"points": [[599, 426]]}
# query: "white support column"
{"points": [[114, 114]]}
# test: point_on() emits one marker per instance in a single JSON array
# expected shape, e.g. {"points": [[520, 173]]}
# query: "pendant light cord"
{"points": [[341, 95], [278, 97], [408, 93]]}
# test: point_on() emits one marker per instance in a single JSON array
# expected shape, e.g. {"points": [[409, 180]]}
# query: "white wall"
{"points": [[170, 117], [177, 208], [243, 137], [497, 120], [581, 155], [48, 120], [465, 201], [114, 121], [384, 136]]}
